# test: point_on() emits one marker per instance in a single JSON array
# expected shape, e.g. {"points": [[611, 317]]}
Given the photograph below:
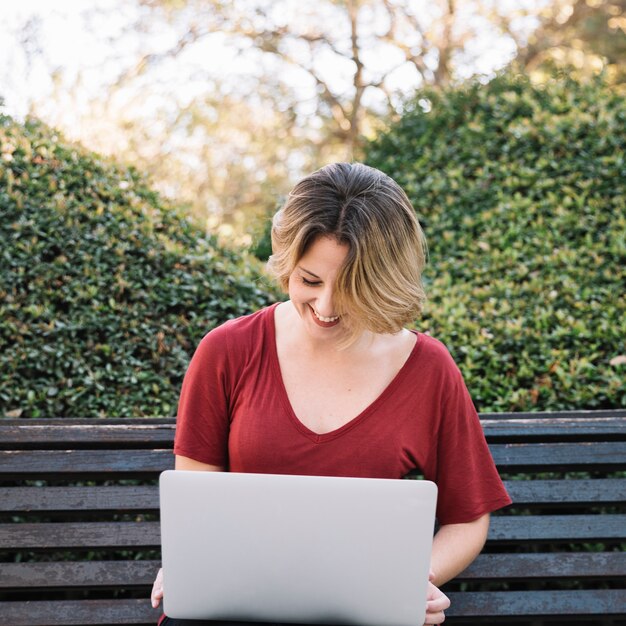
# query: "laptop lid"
{"points": [[296, 549]]}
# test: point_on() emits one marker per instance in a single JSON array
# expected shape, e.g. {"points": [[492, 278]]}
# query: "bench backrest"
{"points": [[79, 534]]}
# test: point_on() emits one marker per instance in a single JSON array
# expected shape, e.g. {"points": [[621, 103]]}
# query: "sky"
{"points": [[84, 51], [64, 43], [59, 59]]}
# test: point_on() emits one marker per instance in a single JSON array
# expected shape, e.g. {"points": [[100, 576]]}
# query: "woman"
{"points": [[331, 383]]}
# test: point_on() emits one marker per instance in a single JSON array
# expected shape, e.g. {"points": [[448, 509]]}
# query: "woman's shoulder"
{"points": [[239, 331], [247, 324], [436, 354], [433, 346]]}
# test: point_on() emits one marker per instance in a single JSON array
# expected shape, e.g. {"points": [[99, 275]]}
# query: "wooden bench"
{"points": [[79, 534]]}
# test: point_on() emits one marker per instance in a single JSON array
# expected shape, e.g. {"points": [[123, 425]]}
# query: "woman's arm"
{"points": [[181, 463], [455, 546], [184, 463]]}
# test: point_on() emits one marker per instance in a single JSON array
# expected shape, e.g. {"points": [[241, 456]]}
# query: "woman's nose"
{"points": [[325, 303]]}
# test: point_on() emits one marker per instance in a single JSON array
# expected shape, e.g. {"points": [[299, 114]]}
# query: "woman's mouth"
{"points": [[324, 322]]}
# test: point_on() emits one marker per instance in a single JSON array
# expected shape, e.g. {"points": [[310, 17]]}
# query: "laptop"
{"points": [[296, 549]]}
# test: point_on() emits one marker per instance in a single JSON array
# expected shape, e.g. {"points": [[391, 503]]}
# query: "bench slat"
{"points": [[570, 491], [128, 574], [497, 604], [48, 536], [72, 499], [553, 429], [557, 415], [95, 433], [537, 457], [79, 613], [86, 463], [146, 498], [68, 574], [561, 528], [547, 566], [528, 456], [159, 433], [537, 603], [80, 535]]}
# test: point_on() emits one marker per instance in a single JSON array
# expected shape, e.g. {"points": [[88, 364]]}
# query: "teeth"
{"points": [[325, 319]]}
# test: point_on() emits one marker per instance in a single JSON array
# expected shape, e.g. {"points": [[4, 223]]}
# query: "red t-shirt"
{"points": [[234, 412]]}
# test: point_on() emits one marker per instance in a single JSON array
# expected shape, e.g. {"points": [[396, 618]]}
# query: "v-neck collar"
{"points": [[272, 352]]}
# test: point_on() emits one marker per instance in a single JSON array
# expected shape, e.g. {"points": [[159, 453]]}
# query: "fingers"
{"points": [[437, 603], [157, 590], [435, 610]]}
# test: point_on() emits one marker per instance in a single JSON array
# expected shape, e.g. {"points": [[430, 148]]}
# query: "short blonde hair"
{"points": [[379, 288]]}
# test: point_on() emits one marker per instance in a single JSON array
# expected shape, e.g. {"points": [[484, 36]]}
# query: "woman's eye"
{"points": [[310, 283]]}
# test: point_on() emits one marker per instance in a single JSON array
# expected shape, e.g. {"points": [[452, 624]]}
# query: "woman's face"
{"points": [[311, 287]]}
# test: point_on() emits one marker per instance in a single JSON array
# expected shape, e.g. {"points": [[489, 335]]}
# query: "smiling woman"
{"points": [[330, 383], [378, 284]]}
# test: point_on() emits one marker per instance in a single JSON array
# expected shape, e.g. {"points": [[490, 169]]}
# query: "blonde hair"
{"points": [[379, 288]]}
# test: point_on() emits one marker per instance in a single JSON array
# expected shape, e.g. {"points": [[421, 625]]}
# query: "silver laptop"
{"points": [[296, 549]]}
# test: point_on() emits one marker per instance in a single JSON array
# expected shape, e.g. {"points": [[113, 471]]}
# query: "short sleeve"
{"points": [[202, 423], [462, 466]]}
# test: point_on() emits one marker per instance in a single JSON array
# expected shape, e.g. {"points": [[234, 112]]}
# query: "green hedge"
{"points": [[521, 190], [104, 289]]}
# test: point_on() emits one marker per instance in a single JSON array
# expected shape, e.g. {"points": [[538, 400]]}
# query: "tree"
{"points": [[521, 191], [105, 289], [226, 103], [587, 35], [350, 52], [308, 84]]}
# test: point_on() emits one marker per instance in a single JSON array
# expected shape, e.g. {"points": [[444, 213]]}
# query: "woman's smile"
{"points": [[311, 286], [324, 322]]}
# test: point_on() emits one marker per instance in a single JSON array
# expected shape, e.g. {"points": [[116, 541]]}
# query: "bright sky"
{"points": [[68, 42], [60, 59], [63, 41]]}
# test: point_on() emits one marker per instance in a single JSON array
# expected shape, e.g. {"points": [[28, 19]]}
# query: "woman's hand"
{"points": [[436, 603], [157, 590], [181, 463]]}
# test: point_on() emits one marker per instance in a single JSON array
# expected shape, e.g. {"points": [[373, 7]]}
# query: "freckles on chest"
{"points": [[328, 407], [333, 401]]}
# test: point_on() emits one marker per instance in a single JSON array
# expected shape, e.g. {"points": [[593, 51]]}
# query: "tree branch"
{"points": [[552, 33], [359, 88], [193, 35], [446, 47]]}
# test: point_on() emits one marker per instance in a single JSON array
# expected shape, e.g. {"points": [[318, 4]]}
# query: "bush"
{"points": [[104, 289], [521, 192]]}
